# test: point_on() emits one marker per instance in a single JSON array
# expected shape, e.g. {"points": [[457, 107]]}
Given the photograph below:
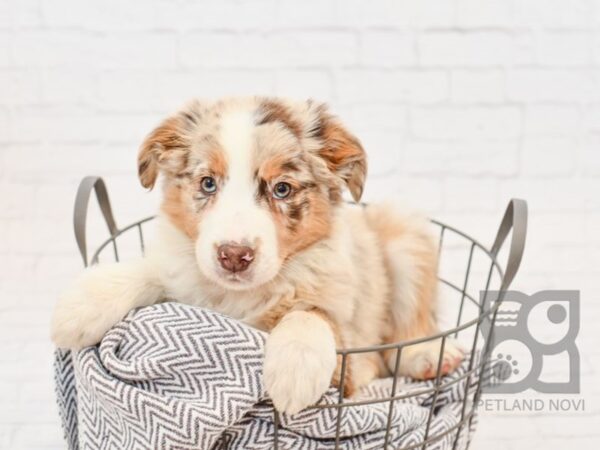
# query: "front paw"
{"points": [[299, 361], [86, 311], [420, 361], [75, 326]]}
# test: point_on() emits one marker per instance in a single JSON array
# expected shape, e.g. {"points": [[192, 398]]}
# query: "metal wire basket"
{"points": [[473, 282]]}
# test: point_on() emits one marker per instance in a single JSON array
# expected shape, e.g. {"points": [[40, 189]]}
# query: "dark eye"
{"points": [[208, 185], [282, 190]]}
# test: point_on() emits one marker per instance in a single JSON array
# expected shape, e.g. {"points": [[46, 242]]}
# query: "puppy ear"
{"points": [[342, 152], [163, 149]]}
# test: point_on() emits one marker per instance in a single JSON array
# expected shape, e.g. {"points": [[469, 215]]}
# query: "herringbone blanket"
{"points": [[172, 376]]}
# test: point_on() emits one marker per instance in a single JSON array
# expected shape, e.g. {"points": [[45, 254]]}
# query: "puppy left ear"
{"points": [[163, 150], [342, 152]]}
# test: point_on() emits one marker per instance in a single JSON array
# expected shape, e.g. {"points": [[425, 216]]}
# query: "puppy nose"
{"points": [[235, 258]]}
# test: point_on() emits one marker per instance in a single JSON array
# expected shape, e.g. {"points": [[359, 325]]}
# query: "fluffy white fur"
{"points": [[236, 217], [366, 278], [99, 298], [299, 364]]}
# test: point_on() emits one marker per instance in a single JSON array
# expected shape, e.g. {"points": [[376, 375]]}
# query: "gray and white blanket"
{"points": [[173, 376]]}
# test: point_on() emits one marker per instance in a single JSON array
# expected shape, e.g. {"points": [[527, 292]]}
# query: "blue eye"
{"points": [[282, 190], [208, 185]]}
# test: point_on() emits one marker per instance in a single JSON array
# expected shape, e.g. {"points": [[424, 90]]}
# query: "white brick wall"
{"points": [[462, 104]]}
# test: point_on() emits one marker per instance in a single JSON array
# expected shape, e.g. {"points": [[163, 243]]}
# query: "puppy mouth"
{"points": [[262, 270], [234, 280], [236, 277]]}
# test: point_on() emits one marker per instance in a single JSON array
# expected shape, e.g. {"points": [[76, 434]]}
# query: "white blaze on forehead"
{"points": [[237, 137], [236, 211], [236, 216]]}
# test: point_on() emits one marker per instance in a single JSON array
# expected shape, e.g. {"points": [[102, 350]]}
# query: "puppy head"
{"points": [[251, 181]]}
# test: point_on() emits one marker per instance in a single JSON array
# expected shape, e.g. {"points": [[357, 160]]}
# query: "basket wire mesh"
{"points": [[514, 222]]}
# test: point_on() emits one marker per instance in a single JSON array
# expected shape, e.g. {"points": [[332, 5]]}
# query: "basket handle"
{"points": [[81, 208], [515, 219]]}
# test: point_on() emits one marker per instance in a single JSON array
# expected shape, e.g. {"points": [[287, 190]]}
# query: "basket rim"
{"points": [[393, 345]]}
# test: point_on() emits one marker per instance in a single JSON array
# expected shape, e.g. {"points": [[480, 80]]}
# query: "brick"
{"points": [[396, 13], [552, 120], [490, 13], [54, 201], [551, 85], [564, 49], [52, 48], [9, 393], [422, 157], [76, 86], [62, 159], [16, 195], [471, 194], [210, 49], [582, 442], [14, 267], [36, 391], [481, 86], [413, 86], [361, 118], [81, 127], [558, 194], [549, 258], [27, 14], [310, 13], [552, 229], [178, 87], [303, 49], [6, 433], [39, 125], [385, 48], [466, 123], [25, 316], [590, 186], [472, 49], [298, 49], [5, 16], [4, 126], [498, 158], [420, 192], [490, 444], [110, 15], [496, 427], [21, 14], [549, 156], [430, 13], [129, 90], [552, 14], [303, 84], [590, 155], [41, 435], [20, 87], [54, 273], [40, 236], [383, 148], [596, 49], [240, 15], [6, 40], [118, 50], [406, 190], [591, 118], [471, 158]]}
